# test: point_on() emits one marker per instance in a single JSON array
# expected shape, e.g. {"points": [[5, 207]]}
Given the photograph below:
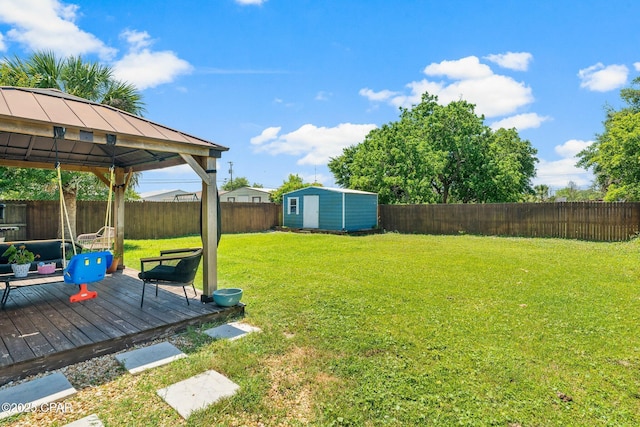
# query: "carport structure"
{"points": [[40, 126]]}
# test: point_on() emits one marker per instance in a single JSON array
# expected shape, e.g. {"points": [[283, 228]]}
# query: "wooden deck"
{"points": [[41, 330]]}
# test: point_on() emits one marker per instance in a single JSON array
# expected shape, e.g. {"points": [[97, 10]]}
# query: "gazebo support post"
{"points": [[118, 214], [209, 230]]}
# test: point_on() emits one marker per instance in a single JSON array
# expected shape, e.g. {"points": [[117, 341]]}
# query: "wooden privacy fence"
{"points": [[148, 220], [596, 221], [143, 220]]}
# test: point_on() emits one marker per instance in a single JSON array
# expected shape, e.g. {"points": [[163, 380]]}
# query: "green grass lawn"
{"points": [[413, 330]]}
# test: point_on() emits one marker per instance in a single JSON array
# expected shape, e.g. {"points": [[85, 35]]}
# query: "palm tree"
{"points": [[75, 76]]}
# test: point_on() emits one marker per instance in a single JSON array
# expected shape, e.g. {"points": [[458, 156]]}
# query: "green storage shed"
{"points": [[326, 208]]}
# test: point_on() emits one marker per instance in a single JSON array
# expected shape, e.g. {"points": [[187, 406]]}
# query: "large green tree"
{"points": [[75, 76], [293, 182], [614, 155], [239, 182], [439, 154]]}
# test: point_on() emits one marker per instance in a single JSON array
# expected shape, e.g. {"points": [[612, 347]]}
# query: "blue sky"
{"points": [[287, 84]]}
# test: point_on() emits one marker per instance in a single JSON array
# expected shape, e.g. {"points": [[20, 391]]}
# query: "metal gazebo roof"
{"points": [[42, 127], [89, 135]]}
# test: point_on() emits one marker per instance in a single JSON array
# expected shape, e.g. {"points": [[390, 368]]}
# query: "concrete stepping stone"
{"points": [[139, 360], [198, 392], [231, 331], [31, 395], [90, 421]]}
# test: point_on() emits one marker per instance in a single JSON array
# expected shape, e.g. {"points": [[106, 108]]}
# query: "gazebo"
{"points": [[40, 126]]}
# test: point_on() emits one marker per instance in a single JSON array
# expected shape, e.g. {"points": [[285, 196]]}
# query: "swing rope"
{"points": [[107, 217], [64, 214]]}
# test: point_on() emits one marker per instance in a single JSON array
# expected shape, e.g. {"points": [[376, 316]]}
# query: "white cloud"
{"points": [[520, 122], [558, 173], [315, 145], [250, 2], [49, 25], [267, 135], [518, 61], [601, 78], [137, 40], [571, 148], [383, 95], [417, 89], [636, 65], [145, 68], [3, 46], [493, 94], [460, 69]]}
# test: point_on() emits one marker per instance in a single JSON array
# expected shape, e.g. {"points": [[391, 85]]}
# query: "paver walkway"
{"points": [[136, 361], [32, 395], [198, 392], [231, 331], [186, 396], [90, 421]]}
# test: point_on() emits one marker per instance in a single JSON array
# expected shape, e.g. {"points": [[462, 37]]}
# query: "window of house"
{"points": [[292, 207], [231, 199], [256, 199]]}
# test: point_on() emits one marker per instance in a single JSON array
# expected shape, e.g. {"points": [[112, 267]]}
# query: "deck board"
{"points": [[43, 325], [40, 329], [58, 325], [38, 343], [72, 314]]}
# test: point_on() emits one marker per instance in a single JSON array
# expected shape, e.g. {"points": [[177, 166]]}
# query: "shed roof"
{"points": [[28, 117], [333, 189]]}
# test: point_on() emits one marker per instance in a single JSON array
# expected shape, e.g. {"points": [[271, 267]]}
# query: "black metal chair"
{"points": [[176, 267]]}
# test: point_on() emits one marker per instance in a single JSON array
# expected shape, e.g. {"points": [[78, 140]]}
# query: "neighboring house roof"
{"points": [[260, 189], [162, 195], [250, 189], [28, 117]]}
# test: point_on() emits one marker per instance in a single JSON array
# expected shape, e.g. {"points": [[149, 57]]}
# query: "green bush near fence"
{"points": [[419, 330]]}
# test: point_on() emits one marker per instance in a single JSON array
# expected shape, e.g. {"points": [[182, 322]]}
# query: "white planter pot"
{"points": [[20, 270]]}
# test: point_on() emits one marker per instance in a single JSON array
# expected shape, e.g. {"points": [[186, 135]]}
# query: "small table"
{"points": [[33, 278]]}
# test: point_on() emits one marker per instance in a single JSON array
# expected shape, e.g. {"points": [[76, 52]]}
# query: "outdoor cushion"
{"points": [[163, 272], [47, 251]]}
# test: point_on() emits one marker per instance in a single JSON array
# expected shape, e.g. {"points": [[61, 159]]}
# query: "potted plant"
{"points": [[20, 259], [117, 257]]}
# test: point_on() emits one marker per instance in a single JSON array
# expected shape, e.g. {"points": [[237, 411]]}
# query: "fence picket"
{"points": [[595, 221]]}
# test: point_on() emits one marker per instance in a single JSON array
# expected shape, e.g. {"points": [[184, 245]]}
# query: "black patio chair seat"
{"points": [[176, 267]]}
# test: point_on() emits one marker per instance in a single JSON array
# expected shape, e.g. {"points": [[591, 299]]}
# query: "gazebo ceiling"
{"points": [[89, 135]]}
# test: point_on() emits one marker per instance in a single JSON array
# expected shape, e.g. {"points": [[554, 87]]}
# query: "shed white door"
{"points": [[311, 213]]}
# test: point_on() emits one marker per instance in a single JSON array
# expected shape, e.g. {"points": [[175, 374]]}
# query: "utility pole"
{"points": [[231, 172]]}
